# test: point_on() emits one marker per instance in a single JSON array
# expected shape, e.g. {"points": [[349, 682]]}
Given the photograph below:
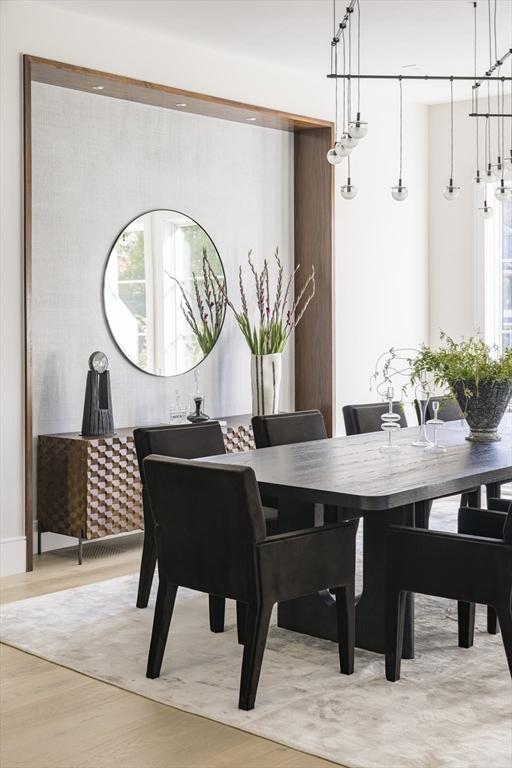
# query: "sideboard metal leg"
{"points": [[80, 548], [39, 537]]}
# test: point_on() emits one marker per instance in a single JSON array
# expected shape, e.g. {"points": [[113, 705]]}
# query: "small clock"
{"points": [[98, 362]]}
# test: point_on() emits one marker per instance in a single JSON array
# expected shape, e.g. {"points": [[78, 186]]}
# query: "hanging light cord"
{"points": [[358, 57], [475, 96], [349, 89], [401, 112], [344, 82], [451, 130]]}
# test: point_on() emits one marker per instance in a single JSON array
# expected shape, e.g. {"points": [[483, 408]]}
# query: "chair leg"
{"points": [[256, 630], [217, 607], [466, 617], [241, 616], [493, 491], [161, 623], [147, 569], [395, 620], [505, 619], [422, 511], [346, 619], [39, 537], [492, 621]]}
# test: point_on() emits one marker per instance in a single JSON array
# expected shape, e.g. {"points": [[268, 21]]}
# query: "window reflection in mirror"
{"points": [[142, 298]]}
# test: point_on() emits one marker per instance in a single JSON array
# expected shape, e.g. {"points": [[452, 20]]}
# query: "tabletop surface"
{"points": [[353, 472]]}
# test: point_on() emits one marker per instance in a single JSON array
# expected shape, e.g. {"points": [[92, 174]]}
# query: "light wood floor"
{"points": [[53, 717]]}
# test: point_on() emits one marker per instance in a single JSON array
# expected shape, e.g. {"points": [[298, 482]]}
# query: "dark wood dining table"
{"points": [[352, 475]]}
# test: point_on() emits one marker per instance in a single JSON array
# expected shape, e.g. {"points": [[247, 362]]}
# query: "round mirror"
{"points": [[163, 293]]}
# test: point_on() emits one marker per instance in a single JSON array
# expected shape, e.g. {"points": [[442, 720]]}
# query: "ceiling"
{"points": [[398, 36]]}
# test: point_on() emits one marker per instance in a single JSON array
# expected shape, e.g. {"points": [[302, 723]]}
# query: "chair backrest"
{"points": [[366, 417], [449, 409], [287, 428], [181, 441], [208, 518]]}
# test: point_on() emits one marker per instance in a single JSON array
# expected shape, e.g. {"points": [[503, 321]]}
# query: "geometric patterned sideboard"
{"points": [[89, 487]]}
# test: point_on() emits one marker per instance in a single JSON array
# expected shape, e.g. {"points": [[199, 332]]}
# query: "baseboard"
{"points": [[13, 555]]}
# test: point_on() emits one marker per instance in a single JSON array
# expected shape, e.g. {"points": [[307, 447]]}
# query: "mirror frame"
{"points": [[104, 309]]}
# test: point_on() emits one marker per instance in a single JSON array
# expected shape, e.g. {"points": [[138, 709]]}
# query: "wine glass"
{"points": [[436, 423]]}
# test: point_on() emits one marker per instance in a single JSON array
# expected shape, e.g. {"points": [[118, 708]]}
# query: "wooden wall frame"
{"points": [[313, 223]]}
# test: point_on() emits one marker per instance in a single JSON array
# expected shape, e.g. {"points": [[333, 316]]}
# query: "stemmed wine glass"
{"points": [[436, 422]]}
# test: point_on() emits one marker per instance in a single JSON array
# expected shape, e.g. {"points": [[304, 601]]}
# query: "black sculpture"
{"points": [[98, 418]]}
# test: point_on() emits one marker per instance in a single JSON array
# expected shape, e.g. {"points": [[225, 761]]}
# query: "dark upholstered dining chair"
{"points": [[288, 428], [488, 523], [464, 567], [449, 410], [210, 536], [182, 441], [366, 417]]}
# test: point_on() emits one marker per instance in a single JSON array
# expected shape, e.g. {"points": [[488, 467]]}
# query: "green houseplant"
{"points": [[476, 374]]}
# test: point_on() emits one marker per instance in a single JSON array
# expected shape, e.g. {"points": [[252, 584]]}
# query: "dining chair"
{"points": [[210, 536], [183, 441], [464, 567], [481, 522], [449, 410], [366, 417]]}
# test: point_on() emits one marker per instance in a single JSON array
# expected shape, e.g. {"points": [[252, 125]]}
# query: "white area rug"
{"points": [[451, 709]]}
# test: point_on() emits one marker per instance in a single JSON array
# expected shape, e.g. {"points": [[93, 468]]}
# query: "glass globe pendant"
{"points": [[489, 175], [450, 192], [486, 211], [336, 154], [348, 142], [348, 190], [399, 192], [357, 128], [502, 192]]}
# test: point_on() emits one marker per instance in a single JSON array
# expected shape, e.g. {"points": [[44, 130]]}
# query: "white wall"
{"points": [[380, 246], [454, 283]]}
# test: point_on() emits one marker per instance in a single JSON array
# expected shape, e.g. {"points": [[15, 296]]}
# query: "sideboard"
{"points": [[89, 487]]}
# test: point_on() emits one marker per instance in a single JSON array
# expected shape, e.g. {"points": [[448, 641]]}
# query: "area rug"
{"points": [[451, 709]]}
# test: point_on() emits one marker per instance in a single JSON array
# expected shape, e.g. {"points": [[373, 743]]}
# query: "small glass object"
{"points": [[390, 423], [348, 142], [502, 192], [451, 192], [423, 398], [348, 190], [485, 211], [436, 423], [177, 412], [399, 192], [357, 128], [336, 154], [489, 174], [197, 416]]}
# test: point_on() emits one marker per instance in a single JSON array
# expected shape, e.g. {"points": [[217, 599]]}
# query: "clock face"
{"points": [[98, 362]]}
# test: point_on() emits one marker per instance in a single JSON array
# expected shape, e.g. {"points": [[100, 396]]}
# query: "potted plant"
{"points": [[276, 317], [471, 371], [476, 375]]}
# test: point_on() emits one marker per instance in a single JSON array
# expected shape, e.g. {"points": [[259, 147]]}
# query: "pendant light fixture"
{"points": [[400, 192], [451, 192], [474, 98], [358, 128], [348, 190], [336, 154], [347, 141], [485, 211], [502, 192]]}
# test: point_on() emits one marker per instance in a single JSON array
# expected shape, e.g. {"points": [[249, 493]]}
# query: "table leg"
{"points": [[370, 615]]}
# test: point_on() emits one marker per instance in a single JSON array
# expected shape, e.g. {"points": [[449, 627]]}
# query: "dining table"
{"points": [[355, 477]]}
